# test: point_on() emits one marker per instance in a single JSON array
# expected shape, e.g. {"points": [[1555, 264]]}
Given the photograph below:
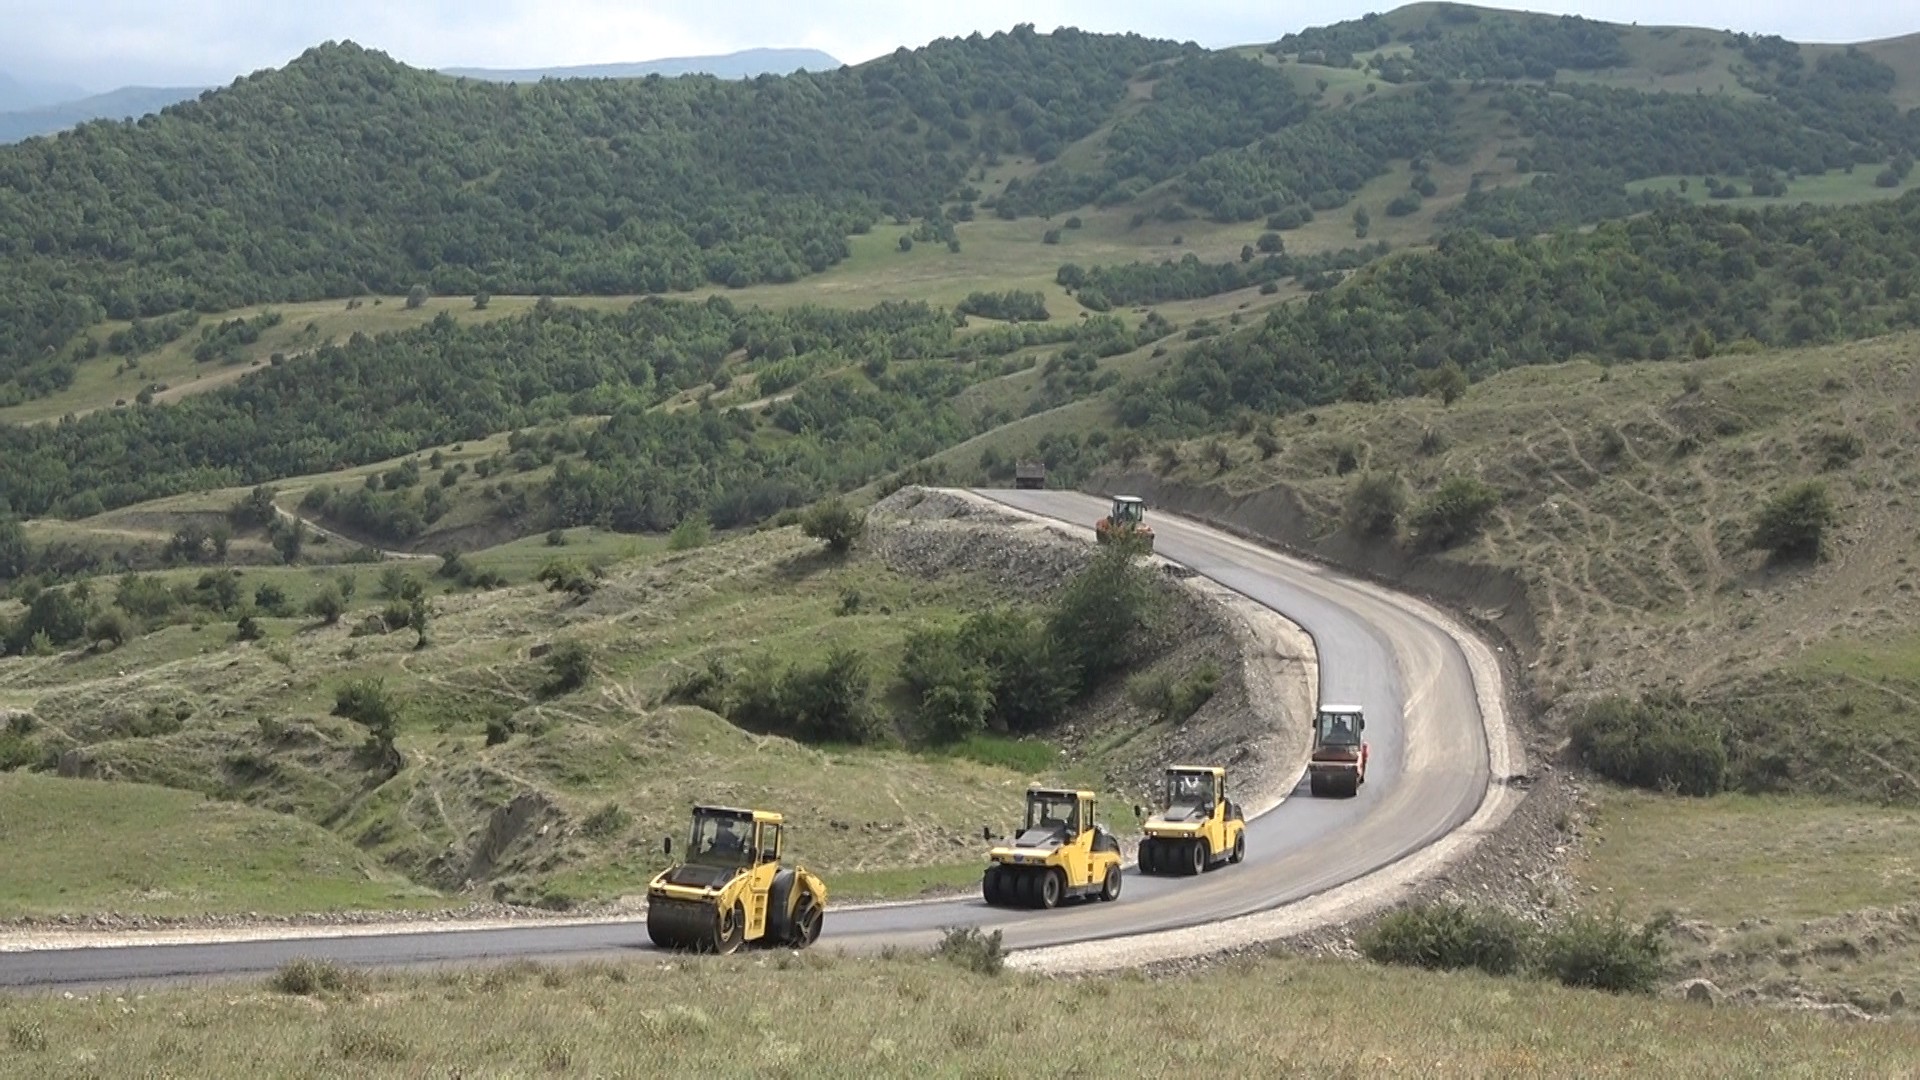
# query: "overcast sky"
{"points": [[99, 44]]}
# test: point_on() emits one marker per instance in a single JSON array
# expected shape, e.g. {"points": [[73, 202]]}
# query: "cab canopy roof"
{"points": [[1214, 770], [738, 814], [1353, 709], [1065, 793], [1128, 499]]}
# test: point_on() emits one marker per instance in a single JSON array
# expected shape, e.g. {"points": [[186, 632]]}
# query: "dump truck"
{"points": [[1060, 853], [1126, 519], [732, 889], [1338, 764], [1197, 826], [1030, 474]]}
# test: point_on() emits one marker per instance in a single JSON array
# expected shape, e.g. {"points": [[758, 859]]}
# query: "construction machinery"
{"points": [[1059, 854], [731, 888], [1126, 520], [1030, 474], [1197, 827], [1338, 765]]}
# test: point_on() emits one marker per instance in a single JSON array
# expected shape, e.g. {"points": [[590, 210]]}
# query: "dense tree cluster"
{"points": [[376, 398], [1203, 104], [1322, 161], [1550, 201], [1459, 42], [346, 172], [1152, 283], [1634, 290]]}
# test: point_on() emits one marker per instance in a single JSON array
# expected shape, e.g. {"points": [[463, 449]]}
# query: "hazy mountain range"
{"points": [[36, 108]]}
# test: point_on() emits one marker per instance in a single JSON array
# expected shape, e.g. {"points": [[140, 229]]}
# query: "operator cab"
{"points": [[1127, 510], [1191, 793], [1053, 818], [1339, 725], [724, 836]]}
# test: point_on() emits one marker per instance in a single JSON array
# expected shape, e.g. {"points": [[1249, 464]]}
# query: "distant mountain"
{"points": [[122, 104], [27, 94], [735, 65]]}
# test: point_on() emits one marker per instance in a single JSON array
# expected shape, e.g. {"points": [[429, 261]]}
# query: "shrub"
{"points": [[498, 731], [397, 584], [610, 820], [1447, 382], [569, 666], [272, 599], [953, 690], [1173, 700], [966, 947], [1454, 512], [557, 538], [248, 629], [1448, 937], [1030, 678], [831, 702], [693, 532], [1605, 954], [705, 687], [366, 702], [327, 605], [416, 296], [110, 627], [305, 977], [1375, 504], [834, 523], [1656, 743], [565, 575], [1794, 523]]}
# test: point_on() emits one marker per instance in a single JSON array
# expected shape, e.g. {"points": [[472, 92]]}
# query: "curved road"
{"points": [[1428, 774]]}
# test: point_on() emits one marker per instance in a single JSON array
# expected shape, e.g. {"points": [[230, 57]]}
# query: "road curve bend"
{"points": [[1429, 774]]}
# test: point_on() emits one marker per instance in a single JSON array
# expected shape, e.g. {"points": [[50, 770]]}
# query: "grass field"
{"points": [[85, 845], [1826, 189], [1740, 857], [758, 1017]]}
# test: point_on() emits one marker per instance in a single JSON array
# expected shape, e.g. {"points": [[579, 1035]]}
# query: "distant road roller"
{"points": [[1059, 854], [731, 889], [1338, 765], [1197, 826]]}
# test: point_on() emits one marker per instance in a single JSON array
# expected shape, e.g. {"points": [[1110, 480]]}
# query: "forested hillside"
{"points": [[346, 173]]}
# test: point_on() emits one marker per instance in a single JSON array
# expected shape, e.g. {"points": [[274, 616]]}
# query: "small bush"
{"points": [[498, 731], [1375, 504], [569, 666], [954, 691], [966, 947], [1454, 512], [705, 687], [1655, 743], [693, 532], [248, 629], [272, 600], [565, 575], [1605, 954], [834, 523], [366, 702], [557, 538], [305, 977], [110, 627], [1448, 937], [327, 605], [1173, 700], [610, 820], [1794, 523]]}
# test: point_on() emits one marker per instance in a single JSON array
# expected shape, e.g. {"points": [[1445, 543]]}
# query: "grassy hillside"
{"points": [[937, 1020], [1624, 501], [540, 735]]}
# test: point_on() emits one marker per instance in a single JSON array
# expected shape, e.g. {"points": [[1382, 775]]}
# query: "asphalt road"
{"points": [[1428, 773]]}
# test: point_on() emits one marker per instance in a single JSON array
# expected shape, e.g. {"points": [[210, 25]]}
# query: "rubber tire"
{"points": [[1195, 858], [807, 922], [1149, 856], [1110, 889], [1239, 847], [1048, 889], [1023, 888], [729, 932]]}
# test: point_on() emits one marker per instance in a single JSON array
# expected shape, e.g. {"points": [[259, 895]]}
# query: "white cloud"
{"points": [[104, 43]]}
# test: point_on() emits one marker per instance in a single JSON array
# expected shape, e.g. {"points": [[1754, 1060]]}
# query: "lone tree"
{"points": [[835, 523], [416, 296], [1454, 512], [1794, 523]]}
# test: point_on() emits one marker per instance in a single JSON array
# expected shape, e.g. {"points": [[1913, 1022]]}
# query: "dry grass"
{"points": [[818, 1015], [1627, 497], [1738, 857]]}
